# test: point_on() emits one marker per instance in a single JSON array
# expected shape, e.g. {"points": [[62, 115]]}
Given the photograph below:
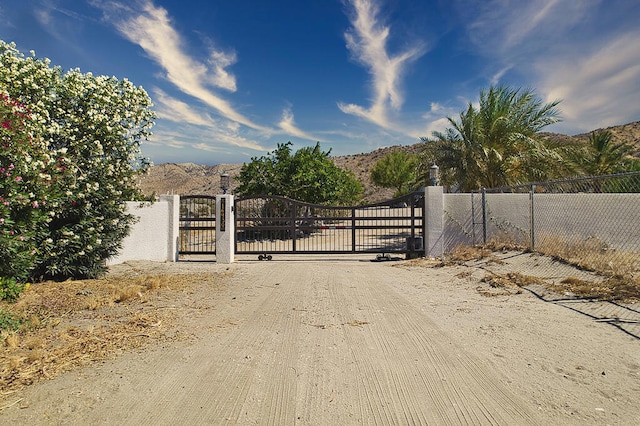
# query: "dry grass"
{"points": [[76, 322], [612, 288], [505, 284], [590, 254], [620, 269], [465, 253], [616, 273]]}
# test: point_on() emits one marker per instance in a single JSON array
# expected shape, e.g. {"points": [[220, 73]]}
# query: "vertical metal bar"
{"points": [[353, 229], [412, 247], [235, 227], [531, 219], [484, 216], [293, 213]]}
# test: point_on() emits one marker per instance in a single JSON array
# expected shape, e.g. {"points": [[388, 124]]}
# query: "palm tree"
{"points": [[603, 157], [496, 144]]}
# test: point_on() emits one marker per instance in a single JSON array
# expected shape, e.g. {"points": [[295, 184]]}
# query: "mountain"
{"points": [[194, 179]]}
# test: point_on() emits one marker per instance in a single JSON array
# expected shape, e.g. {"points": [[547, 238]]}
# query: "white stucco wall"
{"points": [[155, 235]]}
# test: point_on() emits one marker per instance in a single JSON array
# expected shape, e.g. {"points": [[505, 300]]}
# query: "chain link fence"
{"points": [[570, 242], [592, 223]]}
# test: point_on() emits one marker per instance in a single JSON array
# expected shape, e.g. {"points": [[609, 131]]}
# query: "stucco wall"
{"points": [[155, 235]]}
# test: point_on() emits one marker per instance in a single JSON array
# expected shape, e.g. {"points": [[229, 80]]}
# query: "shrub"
{"points": [[85, 134], [26, 183], [10, 289]]}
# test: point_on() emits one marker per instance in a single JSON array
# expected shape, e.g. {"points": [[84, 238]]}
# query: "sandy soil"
{"points": [[350, 341]]}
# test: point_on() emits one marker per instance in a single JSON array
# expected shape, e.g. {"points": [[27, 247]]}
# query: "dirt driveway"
{"points": [[340, 342]]}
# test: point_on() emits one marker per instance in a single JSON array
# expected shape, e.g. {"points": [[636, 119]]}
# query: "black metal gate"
{"points": [[197, 224], [271, 224]]}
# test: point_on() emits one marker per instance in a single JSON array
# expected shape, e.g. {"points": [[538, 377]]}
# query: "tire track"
{"points": [[221, 373], [428, 379], [279, 405], [324, 369]]}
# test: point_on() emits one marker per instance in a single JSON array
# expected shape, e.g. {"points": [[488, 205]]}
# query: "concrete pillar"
{"points": [[225, 229], [173, 211], [434, 221]]}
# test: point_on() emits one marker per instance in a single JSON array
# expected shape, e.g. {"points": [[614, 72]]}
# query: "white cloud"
{"points": [[221, 78], [495, 79], [191, 136], [598, 89], [434, 120], [175, 110], [150, 27], [367, 42], [218, 131], [580, 52], [519, 28], [287, 124]]}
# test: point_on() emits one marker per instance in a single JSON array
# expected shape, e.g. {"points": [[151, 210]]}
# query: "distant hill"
{"points": [[194, 179]]}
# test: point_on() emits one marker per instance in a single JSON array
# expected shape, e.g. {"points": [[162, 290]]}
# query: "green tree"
{"points": [[602, 156], [92, 126], [307, 175], [397, 170], [496, 144]]}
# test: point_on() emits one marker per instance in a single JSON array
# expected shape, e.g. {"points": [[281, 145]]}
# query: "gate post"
{"points": [[173, 244], [434, 221], [225, 229]]}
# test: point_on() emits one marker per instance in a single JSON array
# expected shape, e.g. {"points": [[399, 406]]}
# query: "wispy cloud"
{"points": [[555, 47], [150, 27], [65, 32], [287, 124], [519, 28], [598, 89], [367, 43], [172, 109], [216, 131]]}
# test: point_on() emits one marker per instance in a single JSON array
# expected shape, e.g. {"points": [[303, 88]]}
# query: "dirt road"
{"points": [[337, 343]]}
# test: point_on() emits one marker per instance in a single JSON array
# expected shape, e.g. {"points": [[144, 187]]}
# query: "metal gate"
{"points": [[197, 224], [272, 224]]}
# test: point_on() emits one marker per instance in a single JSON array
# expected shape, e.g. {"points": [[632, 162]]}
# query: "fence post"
{"points": [[484, 216], [532, 238], [225, 229], [434, 221]]}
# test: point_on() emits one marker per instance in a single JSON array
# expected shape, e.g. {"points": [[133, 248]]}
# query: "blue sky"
{"points": [[232, 78]]}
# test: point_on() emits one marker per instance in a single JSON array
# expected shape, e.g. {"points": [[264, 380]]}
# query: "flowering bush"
{"points": [[25, 181], [84, 138]]}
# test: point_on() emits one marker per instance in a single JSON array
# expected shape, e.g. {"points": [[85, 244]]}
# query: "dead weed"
{"points": [[504, 284], [612, 288], [71, 323]]}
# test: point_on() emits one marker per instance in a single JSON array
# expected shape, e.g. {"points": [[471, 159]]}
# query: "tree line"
{"points": [[500, 143], [497, 143]]}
